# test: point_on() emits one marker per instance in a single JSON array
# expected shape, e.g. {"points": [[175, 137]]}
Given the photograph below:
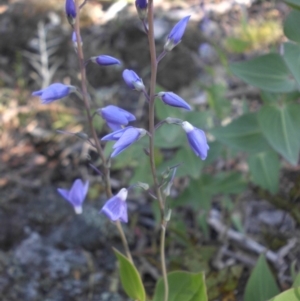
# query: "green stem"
{"points": [[163, 260], [85, 96], [151, 143]]}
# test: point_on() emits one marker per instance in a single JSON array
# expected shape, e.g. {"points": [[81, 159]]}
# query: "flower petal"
{"points": [[113, 208], [128, 137], [64, 193], [115, 135]]}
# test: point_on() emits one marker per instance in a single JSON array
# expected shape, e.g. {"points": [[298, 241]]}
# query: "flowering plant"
{"points": [[124, 135], [263, 146]]}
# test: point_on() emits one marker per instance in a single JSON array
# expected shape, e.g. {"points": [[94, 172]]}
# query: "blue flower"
{"points": [[141, 4], [116, 207], [105, 60], [172, 99], [132, 80], [125, 137], [70, 11], [115, 116], [197, 140], [76, 194], [176, 34], [54, 92], [116, 135]]}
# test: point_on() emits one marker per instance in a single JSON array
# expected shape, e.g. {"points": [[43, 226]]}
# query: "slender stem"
{"points": [[124, 240], [85, 96], [151, 143], [151, 102], [163, 260]]}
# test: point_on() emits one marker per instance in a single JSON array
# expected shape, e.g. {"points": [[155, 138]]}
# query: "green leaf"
{"points": [[293, 3], [261, 285], [243, 134], [130, 278], [281, 127], [291, 25], [296, 282], [264, 168], [191, 165], [217, 101], [267, 72], [228, 183], [292, 59], [292, 294], [169, 136], [183, 286], [237, 45], [198, 193]]}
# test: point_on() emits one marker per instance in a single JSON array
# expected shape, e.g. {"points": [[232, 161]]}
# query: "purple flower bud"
{"points": [[141, 4], [105, 60], [141, 7], [116, 207], [132, 80], [115, 116], [197, 140], [76, 194], [126, 136], [174, 38], [70, 11], [54, 92], [172, 99]]}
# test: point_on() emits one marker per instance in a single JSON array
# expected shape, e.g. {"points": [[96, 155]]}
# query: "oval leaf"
{"points": [[267, 72], [292, 294], [293, 3], [291, 25], [183, 286], [292, 59], [130, 278], [243, 134], [264, 168], [281, 127], [261, 285]]}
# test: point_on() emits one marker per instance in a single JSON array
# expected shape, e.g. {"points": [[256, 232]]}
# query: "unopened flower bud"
{"points": [[171, 120], [141, 7], [168, 215], [105, 60], [174, 38], [70, 11], [132, 80], [172, 99], [142, 185]]}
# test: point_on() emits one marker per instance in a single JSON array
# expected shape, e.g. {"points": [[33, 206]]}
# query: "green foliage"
{"points": [[264, 169], [281, 127], [296, 282], [293, 3], [292, 294], [130, 278], [199, 192], [242, 134], [291, 57], [291, 26], [267, 72], [182, 286], [261, 285]]}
